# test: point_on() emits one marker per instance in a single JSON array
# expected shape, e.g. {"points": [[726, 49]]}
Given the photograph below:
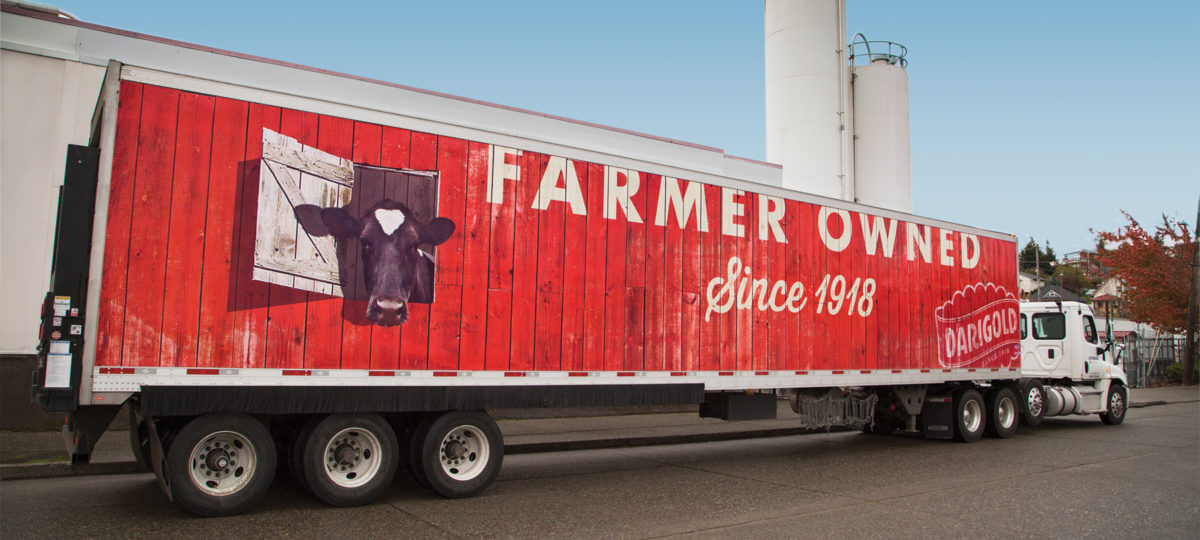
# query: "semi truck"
{"points": [[276, 267]]}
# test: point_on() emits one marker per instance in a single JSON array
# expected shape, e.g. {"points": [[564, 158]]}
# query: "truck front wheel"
{"points": [[460, 452], [969, 415], [350, 460], [221, 464], [1118, 403]]}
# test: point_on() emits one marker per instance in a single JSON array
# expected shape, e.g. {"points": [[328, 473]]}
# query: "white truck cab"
{"points": [[1065, 368]]}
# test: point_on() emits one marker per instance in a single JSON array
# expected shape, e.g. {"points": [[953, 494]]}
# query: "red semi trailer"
{"points": [[264, 276]]}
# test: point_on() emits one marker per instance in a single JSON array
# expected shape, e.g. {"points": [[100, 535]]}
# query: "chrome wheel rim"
{"points": [[971, 416], [464, 453], [222, 463], [1034, 401], [1006, 413], [352, 457], [1116, 404]]}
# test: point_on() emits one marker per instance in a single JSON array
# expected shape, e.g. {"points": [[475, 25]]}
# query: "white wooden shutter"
{"points": [[291, 175]]}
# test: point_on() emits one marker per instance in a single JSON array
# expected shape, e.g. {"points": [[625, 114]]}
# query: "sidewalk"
{"points": [[43, 454]]}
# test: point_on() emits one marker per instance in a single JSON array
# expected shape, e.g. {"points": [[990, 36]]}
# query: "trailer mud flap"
{"points": [[937, 418]]}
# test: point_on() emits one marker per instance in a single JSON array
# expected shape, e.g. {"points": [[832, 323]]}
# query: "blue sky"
{"points": [[1040, 119]]}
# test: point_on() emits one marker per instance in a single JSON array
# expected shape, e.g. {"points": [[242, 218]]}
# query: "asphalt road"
{"points": [[1072, 478]]}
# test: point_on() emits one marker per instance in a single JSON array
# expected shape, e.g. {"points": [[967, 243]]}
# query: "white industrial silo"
{"points": [[882, 162], [807, 95]]}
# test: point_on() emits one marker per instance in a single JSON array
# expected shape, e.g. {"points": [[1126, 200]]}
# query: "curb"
{"points": [[62, 468]]}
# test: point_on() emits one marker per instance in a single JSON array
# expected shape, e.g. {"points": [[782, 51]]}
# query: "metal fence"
{"points": [[1146, 358]]}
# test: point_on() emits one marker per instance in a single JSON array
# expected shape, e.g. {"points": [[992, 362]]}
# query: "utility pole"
{"points": [[1193, 324]]}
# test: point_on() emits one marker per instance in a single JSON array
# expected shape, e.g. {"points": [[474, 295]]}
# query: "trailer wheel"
{"points": [[1033, 404], [1002, 412], [295, 453], [1118, 403], [350, 459], [221, 464], [969, 415], [459, 453]]}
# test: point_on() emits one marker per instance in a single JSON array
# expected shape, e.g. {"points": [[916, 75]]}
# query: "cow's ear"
{"points": [[340, 224], [437, 231]]}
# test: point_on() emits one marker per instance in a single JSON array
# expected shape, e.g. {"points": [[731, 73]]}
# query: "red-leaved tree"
{"points": [[1156, 270]]}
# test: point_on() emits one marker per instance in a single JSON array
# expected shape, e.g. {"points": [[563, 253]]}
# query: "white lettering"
{"points": [[920, 235], [620, 195], [570, 192], [945, 247], [770, 211], [840, 243], [731, 209], [969, 261], [501, 168], [878, 236], [692, 200]]}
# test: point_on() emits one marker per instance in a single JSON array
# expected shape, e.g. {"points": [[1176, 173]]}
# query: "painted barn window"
{"points": [[294, 248]]}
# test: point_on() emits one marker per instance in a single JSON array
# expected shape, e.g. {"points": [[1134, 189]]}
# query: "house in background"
{"points": [[1036, 289]]}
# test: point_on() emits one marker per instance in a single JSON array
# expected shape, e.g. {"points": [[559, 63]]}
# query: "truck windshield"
{"points": [[1049, 326]]}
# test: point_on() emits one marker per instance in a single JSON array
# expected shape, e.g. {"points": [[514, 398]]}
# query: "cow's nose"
{"points": [[390, 309]]}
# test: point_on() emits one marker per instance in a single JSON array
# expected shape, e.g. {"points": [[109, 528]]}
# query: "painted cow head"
{"points": [[393, 264]]}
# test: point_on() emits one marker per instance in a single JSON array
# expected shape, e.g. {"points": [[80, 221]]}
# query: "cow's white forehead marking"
{"points": [[389, 219]]}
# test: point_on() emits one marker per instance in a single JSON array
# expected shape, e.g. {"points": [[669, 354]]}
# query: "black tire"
{"points": [[1118, 405], [1003, 412], [415, 436], [139, 439], [295, 452], [970, 416], [350, 459], [221, 464], [1033, 402], [460, 453]]}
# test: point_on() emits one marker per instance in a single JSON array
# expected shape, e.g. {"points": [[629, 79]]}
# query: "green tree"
{"points": [[1033, 255]]}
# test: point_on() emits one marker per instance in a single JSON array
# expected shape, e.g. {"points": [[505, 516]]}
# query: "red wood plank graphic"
{"points": [[654, 335], [444, 313], [548, 324], [111, 311], [576, 249], [251, 297], [148, 230], [595, 272], [525, 249], [503, 193], [475, 230], [712, 266], [215, 346], [555, 264], [690, 250], [616, 297], [186, 231]]}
